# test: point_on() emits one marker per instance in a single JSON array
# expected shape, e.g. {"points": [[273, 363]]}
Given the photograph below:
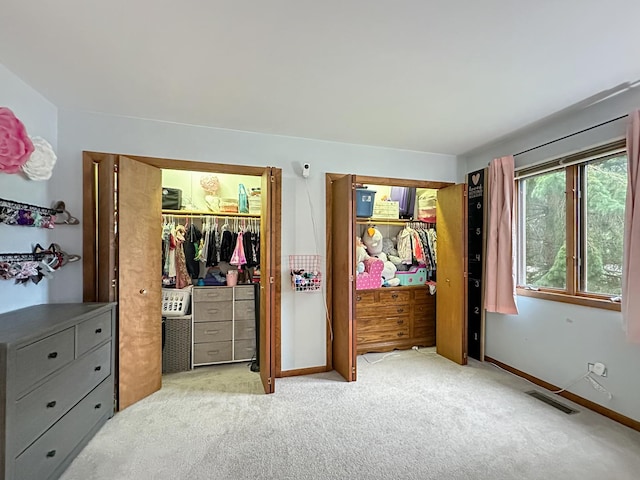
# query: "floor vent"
{"points": [[550, 401]]}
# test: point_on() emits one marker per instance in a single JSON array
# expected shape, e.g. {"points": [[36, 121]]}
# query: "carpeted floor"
{"points": [[410, 415]]}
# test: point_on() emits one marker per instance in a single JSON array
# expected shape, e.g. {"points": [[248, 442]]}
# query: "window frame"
{"points": [[575, 237]]}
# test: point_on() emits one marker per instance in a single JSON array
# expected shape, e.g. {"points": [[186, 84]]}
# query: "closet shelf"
{"points": [[384, 221], [185, 213]]}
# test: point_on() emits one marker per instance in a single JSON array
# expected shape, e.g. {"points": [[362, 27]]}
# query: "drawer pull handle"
{"points": [[97, 369], [358, 298], [400, 334], [213, 310], [98, 330], [394, 295], [53, 355], [51, 453], [98, 406], [212, 352], [400, 322], [400, 310], [211, 332], [51, 404]]}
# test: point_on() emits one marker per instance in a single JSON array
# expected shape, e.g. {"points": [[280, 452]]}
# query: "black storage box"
{"points": [[171, 198]]}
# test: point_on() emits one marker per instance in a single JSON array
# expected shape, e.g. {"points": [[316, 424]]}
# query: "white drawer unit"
{"points": [[223, 324], [57, 377]]}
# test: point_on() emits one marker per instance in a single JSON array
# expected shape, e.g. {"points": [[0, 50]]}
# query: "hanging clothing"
{"points": [[192, 238], [182, 275], [238, 257], [226, 246]]}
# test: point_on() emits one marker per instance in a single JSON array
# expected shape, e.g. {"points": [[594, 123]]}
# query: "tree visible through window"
{"points": [[571, 216]]}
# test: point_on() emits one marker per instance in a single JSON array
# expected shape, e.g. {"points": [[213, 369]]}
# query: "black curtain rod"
{"points": [[571, 135]]}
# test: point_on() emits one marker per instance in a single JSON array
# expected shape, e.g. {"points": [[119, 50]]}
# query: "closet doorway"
{"points": [[122, 212], [343, 225]]}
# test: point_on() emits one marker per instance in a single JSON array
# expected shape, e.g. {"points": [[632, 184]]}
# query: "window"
{"points": [[571, 225]]}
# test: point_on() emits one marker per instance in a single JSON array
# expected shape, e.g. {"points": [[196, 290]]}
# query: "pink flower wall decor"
{"points": [[15, 145]]}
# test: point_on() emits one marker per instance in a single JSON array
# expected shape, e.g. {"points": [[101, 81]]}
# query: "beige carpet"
{"points": [[412, 415]]}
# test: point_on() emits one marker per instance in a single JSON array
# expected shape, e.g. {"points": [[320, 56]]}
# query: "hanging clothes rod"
{"points": [[208, 213]]}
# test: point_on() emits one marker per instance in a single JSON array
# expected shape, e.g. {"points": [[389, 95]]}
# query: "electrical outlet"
{"points": [[598, 368]]}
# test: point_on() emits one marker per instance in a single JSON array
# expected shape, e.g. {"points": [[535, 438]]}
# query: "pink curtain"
{"points": [[631, 261], [500, 282]]}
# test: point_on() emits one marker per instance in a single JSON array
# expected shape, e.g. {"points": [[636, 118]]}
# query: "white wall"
{"points": [[40, 119], [303, 319], [551, 340]]}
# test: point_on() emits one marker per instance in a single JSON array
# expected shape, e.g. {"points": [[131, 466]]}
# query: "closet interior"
{"points": [[396, 258], [210, 269], [396, 266]]}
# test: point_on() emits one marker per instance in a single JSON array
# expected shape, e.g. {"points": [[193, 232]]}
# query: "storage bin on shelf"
{"points": [[305, 273], [175, 302], [365, 199]]}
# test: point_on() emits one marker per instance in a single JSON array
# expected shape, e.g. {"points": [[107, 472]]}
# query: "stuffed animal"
{"points": [[388, 247], [372, 239], [361, 255]]}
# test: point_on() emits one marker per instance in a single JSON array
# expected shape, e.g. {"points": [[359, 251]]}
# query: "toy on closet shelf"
{"points": [[374, 242]]}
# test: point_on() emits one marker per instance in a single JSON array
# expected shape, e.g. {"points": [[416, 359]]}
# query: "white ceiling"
{"points": [[428, 75]]}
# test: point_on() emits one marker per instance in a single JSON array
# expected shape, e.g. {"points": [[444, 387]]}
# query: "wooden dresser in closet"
{"points": [[56, 385], [391, 318], [223, 324]]}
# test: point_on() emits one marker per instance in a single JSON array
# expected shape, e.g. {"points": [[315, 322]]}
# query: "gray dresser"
{"points": [[56, 385], [223, 324]]}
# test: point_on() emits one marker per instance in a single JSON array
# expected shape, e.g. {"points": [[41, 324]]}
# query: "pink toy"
{"points": [[372, 275]]}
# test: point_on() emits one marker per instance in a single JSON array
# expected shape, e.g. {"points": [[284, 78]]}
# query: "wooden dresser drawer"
{"points": [[379, 335], [212, 352], [394, 296], [212, 311], [365, 297], [92, 332], [39, 359], [40, 408], [244, 349], [424, 310], [52, 448], [244, 330], [425, 331], [244, 292], [369, 324], [422, 295], [380, 311], [244, 310], [212, 294], [206, 332]]}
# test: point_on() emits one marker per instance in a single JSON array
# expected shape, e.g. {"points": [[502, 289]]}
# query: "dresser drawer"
{"points": [[206, 332], [244, 292], [244, 349], [245, 330], [212, 352], [425, 331], [217, 294], [369, 324], [380, 335], [394, 296], [39, 359], [52, 448], [424, 310], [422, 295], [244, 310], [380, 311], [212, 311], [365, 297], [40, 408], [93, 332]]}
